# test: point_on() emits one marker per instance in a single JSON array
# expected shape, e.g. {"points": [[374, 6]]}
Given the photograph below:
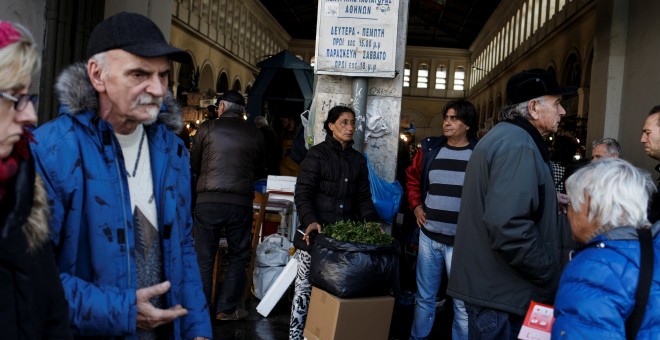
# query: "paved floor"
{"points": [[276, 325]]}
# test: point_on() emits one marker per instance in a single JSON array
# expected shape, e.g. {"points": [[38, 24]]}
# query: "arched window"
{"points": [[441, 77], [222, 15], [535, 15], [459, 78], [552, 10], [406, 75], [423, 76], [516, 30], [507, 36], [573, 71], [206, 79], [222, 85], [523, 22], [544, 12], [237, 85], [185, 76]]}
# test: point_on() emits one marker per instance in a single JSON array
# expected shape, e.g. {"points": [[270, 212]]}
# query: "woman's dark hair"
{"points": [[466, 113], [334, 114]]}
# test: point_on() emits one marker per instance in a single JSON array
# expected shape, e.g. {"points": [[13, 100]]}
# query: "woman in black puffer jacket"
{"points": [[32, 302], [332, 185]]}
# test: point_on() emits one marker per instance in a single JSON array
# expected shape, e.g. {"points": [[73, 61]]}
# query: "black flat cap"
{"points": [[133, 33], [534, 83]]}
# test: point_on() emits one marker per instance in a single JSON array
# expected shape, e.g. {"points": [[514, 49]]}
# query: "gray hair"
{"points": [[612, 145], [260, 121], [101, 59], [517, 110], [619, 193], [233, 106]]}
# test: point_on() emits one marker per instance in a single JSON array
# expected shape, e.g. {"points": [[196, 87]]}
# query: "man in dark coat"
{"points": [[273, 147], [507, 249], [227, 156], [651, 141]]}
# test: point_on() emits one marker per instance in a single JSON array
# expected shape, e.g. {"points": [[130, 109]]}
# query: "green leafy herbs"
{"points": [[358, 232]]}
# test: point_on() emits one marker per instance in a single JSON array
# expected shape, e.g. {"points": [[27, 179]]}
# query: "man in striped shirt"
{"points": [[435, 183]]}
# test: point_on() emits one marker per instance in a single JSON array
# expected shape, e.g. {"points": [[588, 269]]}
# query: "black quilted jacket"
{"points": [[333, 185]]}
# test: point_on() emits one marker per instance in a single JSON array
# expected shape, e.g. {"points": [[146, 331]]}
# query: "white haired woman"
{"points": [[32, 304], [597, 291]]}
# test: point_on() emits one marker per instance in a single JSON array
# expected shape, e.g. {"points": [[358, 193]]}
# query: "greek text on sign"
{"points": [[357, 37]]}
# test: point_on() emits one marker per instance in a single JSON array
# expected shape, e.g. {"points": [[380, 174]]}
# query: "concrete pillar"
{"points": [[608, 70], [160, 11], [383, 98], [30, 14]]}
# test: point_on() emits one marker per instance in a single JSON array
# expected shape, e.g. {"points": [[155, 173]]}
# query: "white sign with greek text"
{"points": [[357, 37]]}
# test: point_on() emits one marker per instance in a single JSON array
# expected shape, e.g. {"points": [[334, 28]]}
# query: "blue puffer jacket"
{"points": [[81, 162], [597, 289]]}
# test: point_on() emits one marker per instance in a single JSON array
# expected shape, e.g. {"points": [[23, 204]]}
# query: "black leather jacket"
{"points": [[227, 157]]}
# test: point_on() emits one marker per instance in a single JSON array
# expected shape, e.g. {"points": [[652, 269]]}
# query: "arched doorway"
{"points": [[206, 79], [237, 85], [222, 85]]}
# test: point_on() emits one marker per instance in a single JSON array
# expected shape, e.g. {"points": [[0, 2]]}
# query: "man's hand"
{"points": [[150, 317], [420, 215]]}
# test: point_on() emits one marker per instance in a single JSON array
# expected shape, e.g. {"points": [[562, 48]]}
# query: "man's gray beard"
{"points": [[152, 111], [153, 115]]}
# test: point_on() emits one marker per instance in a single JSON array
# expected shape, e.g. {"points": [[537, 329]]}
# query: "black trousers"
{"points": [[234, 221]]}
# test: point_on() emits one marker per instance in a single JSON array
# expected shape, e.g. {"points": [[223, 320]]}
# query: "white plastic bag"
{"points": [[272, 256], [307, 121]]}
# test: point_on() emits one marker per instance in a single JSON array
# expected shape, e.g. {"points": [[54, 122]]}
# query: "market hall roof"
{"points": [[431, 23]]}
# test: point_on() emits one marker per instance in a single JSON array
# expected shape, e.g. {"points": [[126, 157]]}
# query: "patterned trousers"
{"points": [[302, 292]]}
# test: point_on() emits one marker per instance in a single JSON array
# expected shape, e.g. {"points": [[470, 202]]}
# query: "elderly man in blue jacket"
{"points": [[119, 185]]}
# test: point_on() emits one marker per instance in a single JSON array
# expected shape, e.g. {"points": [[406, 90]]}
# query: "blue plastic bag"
{"points": [[386, 196]]}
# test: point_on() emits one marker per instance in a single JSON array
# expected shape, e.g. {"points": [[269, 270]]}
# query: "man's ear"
{"points": [[95, 73], [532, 106]]}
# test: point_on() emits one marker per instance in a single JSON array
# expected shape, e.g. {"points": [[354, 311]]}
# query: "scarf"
{"points": [[9, 165]]}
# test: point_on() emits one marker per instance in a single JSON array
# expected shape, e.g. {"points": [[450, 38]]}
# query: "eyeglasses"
{"points": [[451, 118], [20, 102]]}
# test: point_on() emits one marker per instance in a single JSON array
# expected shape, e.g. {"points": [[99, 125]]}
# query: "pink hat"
{"points": [[8, 34]]}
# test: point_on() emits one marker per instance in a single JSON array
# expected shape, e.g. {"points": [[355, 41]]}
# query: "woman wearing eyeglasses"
{"points": [[32, 304]]}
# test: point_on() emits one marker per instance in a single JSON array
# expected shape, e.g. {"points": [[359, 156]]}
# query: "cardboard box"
{"points": [[331, 318]]}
